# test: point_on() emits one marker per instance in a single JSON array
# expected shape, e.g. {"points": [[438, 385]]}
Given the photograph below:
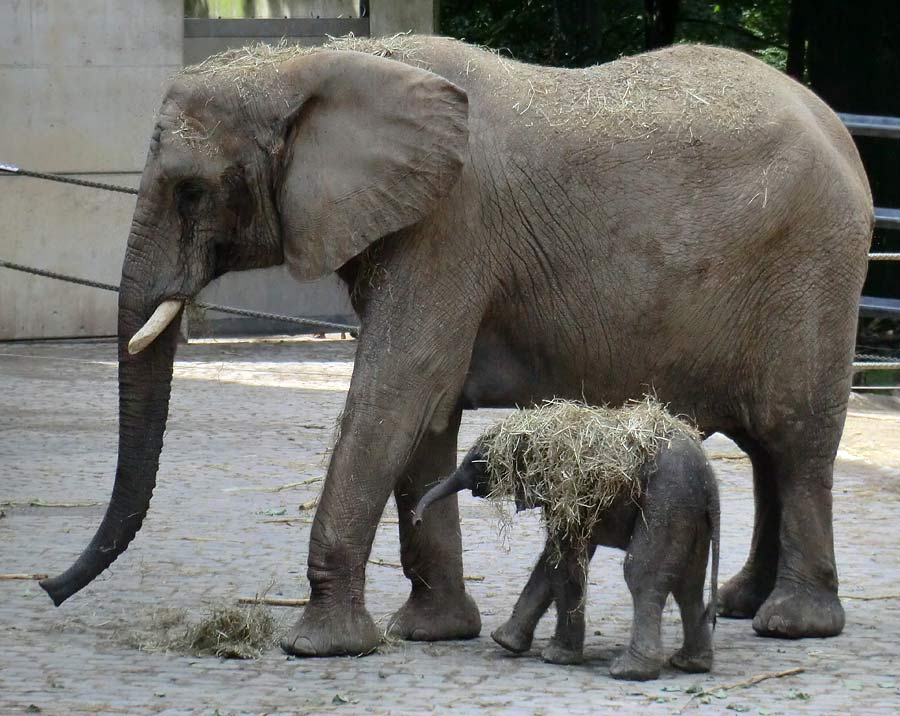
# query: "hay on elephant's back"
{"points": [[263, 55], [575, 460]]}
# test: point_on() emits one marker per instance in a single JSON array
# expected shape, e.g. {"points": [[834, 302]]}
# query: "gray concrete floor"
{"points": [[247, 417]]}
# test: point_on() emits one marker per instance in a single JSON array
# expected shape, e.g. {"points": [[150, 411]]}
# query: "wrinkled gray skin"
{"points": [[666, 535], [690, 220]]}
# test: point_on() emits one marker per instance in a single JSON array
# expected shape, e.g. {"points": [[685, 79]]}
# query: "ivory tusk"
{"points": [[155, 325]]}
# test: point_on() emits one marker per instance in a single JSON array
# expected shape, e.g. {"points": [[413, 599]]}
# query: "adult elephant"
{"points": [[689, 220]]}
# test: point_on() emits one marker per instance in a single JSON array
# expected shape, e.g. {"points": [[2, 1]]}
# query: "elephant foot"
{"points": [[332, 631], [556, 653], [430, 616], [512, 637], [742, 595], [794, 612], [634, 667], [692, 663]]}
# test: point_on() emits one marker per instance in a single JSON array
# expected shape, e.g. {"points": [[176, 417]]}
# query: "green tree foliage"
{"points": [[577, 33], [846, 51]]}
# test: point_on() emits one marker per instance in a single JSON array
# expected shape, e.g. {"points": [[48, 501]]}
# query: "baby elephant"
{"points": [[635, 478]]}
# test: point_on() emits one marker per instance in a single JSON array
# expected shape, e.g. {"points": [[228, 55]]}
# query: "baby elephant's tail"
{"points": [[712, 515]]}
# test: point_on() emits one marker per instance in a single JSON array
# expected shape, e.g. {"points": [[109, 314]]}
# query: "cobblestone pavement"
{"points": [[248, 417]]}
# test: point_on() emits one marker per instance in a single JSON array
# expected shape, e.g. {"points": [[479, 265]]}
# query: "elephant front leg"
{"points": [[568, 582], [438, 606], [336, 622], [392, 408], [517, 632]]}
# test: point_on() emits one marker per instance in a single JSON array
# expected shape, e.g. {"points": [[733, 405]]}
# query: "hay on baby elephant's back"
{"points": [[576, 461]]}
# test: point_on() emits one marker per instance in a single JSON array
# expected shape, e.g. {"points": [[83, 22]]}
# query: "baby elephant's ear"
{"points": [[372, 145]]}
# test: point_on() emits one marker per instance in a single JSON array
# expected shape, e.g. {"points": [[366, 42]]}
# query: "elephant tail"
{"points": [[713, 513]]}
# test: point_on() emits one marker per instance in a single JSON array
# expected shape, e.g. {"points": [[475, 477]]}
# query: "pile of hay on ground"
{"points": [[228, 632], [576, 460]]}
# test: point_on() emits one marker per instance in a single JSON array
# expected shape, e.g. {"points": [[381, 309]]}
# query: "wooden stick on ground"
{"points": [[743, 684], [870, 597], [279, 488], [307, 520], [274, 601], [385, 563], [41, 503], [285, 520], [23, 576], [397, 565]]}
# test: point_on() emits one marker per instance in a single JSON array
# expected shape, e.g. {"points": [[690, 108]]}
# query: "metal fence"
{"points": [[863, 125]]}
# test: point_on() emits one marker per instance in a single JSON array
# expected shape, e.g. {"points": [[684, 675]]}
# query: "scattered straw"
{"points": [[229, 632], [232, 633], [576, 461]]}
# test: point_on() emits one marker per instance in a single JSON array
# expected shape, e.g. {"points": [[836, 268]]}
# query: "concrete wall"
{"points": [[80, 82]]}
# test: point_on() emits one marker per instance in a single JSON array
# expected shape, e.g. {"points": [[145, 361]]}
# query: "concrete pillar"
{"points": [[80, 82], [388, 17]]}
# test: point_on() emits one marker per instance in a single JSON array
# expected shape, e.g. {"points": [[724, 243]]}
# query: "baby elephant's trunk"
{"points": [[459, 480]]}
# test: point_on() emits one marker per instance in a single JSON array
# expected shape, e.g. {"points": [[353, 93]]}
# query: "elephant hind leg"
{"points": [[743, 594], [789, 584], [438, 607], [654, 559], [696, 653], [804, 601]]}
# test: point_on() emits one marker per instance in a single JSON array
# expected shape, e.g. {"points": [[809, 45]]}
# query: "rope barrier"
{"points": [[342, 327], [18, 171], [58, 276], [10, 169]]}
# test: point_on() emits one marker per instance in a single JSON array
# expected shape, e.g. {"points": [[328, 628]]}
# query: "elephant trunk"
{"points": [[460, 480], [144, 387]]}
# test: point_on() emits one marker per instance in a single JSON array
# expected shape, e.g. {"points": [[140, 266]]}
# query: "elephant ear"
{"points": [[371, 147]]}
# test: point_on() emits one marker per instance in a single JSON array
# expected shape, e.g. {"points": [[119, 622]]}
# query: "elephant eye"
{"points": [[188, 194]]}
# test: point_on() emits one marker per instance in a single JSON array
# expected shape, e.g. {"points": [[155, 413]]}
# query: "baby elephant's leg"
{"points": [[517, 632], [696, 653], [652, 564], [568, 582]]}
